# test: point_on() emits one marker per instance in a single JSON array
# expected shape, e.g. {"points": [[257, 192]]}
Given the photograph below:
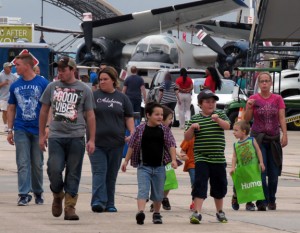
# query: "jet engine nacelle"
{"points": [[102, 50]]}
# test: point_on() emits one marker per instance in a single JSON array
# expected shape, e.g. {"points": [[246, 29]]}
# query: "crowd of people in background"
{"points": [[70, 117]]}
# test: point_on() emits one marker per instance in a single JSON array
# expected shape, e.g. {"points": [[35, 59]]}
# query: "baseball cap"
{"points": [[206, 94], [7, 64], [65, 62]]}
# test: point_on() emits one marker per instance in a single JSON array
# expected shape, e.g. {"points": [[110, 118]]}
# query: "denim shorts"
{"points": [[215, 173], [153, 177]]}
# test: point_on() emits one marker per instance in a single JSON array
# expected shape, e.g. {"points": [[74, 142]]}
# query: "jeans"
{"points": [[30, 161], [65, 153], [153, 177], [105, 163], [136, 104], [184, 108], [272, 171]]}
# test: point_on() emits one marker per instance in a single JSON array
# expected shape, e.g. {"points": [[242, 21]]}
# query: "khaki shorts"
{"points": [[3, 105]]}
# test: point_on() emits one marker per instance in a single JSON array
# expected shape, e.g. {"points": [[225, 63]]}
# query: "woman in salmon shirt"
{"points": [[212, 81], [185, 86]]}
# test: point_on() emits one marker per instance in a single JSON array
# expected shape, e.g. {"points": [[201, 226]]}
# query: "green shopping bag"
{"points": [[171, 180], [248, 184]]}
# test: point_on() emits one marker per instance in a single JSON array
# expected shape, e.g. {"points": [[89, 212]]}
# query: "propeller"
{"points": [[210, 42], [236, 55], [87, 28], [230, 56]]}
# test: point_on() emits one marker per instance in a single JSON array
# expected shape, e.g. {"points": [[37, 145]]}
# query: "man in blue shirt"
{"points": [[134, 87]]}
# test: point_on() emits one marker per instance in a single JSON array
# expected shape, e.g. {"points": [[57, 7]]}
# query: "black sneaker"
{"points": [[221, 217], [140, 217], [250, 206], [166, 204], [234, 203], [195, 218], [151, 208], [24, 200], [156, 218], [39, 199], [97, 208]]}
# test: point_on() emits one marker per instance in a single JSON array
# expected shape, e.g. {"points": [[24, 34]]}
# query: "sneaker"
{"points": [[192, 206], [111, 209], [272, 206], [166, 204], [5, 129], [156, 218], [24, 200], [97, 208], [151, 208], [39, 199], [195, 218], [250, 206], [140, 217], [234, 203], [221, 217]]}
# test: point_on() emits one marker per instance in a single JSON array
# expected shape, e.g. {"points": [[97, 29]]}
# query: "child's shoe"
{"points": [[195, 218], [156, 218], [140, 217], [234, 203], [192, 206], [151, 208], [250, 206], [166, 204], [221, 217]]}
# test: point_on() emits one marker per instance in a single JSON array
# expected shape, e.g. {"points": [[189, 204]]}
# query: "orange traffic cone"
{"points": [[241, 114]]}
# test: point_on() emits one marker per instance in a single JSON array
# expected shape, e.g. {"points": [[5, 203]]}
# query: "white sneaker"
{"points": [[5, 129]]}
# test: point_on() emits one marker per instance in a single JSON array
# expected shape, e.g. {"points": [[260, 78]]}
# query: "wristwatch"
{"points": [[9, 131]]}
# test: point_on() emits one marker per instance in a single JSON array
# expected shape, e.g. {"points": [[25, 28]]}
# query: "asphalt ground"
{"points": [[38, 218]]}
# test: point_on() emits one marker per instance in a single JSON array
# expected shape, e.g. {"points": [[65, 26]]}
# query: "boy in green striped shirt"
{"points": [[210, 164]]}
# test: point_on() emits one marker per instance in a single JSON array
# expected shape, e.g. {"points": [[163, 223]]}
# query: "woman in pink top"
{"points": [[268, 113], [185, 86], [212, 81]]}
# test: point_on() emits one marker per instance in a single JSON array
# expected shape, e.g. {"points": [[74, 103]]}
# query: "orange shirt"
{"points": [[188, 147]]}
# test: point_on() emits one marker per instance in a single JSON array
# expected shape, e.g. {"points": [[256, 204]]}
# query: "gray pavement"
{"points": [[38, 218]]}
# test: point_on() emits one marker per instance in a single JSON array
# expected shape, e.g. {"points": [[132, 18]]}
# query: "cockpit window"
{"points": [[140, 48], [158, 48], [169, 40]]}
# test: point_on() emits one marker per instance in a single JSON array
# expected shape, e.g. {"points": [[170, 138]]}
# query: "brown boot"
{"points": [[70, 203], [57, 203]]}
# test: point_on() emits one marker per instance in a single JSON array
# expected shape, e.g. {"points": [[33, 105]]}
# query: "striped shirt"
{"points": [[169, 96], [210, 139], [136, 142]]}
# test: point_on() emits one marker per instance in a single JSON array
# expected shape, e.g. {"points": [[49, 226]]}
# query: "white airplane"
{"points": [[133, 37]]}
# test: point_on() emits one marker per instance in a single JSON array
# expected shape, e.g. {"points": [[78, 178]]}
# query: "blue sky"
{"points": [[30, 12]]}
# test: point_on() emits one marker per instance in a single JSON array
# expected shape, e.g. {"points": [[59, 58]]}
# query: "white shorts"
{"points": [[3, 105]]}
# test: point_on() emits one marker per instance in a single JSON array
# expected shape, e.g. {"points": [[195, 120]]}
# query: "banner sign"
{"points": [[11, 33]]}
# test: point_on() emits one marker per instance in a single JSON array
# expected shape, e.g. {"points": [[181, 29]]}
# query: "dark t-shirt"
{"points": [[133, 84], [111, 110], [152, 146]]}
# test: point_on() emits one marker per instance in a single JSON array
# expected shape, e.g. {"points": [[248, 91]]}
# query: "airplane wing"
{"points": [[130, 27], [224, 29], [57, 30]]}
